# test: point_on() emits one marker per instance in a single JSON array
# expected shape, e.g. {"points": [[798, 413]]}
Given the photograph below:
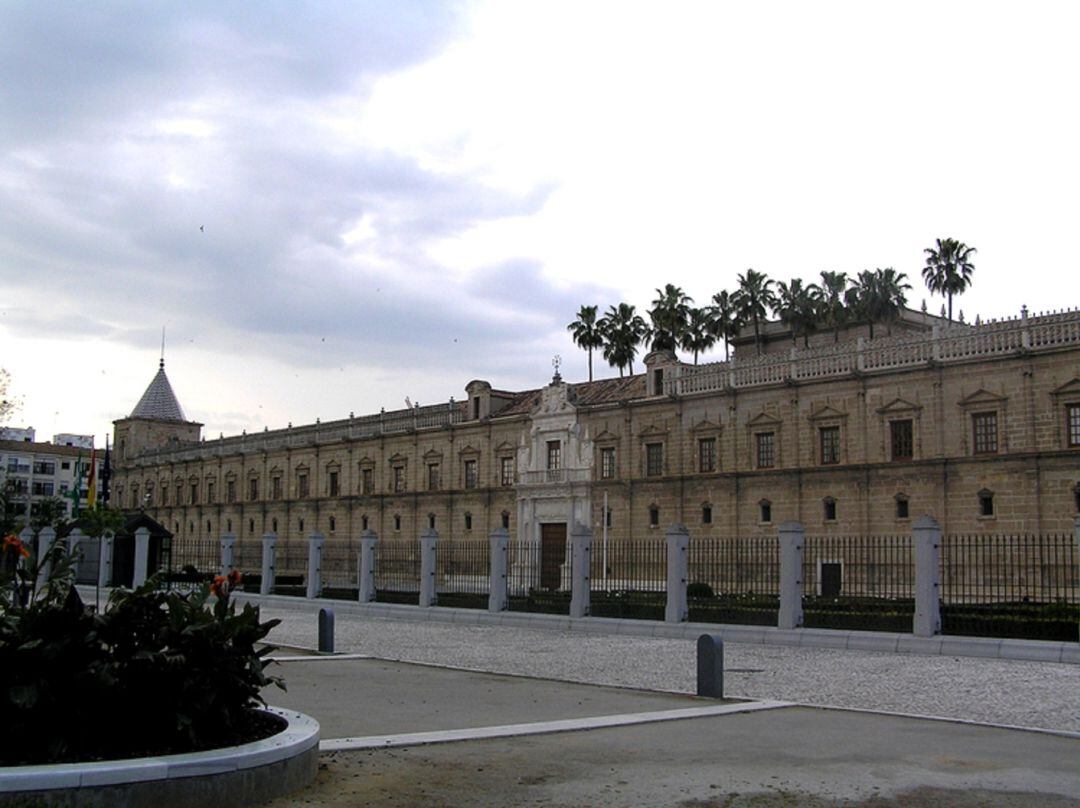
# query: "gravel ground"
{"points": [[1029, 694]]}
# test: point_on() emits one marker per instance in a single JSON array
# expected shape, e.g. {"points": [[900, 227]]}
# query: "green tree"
{"points": [[669, 315], [697, 335], [797, 307], [753, 300], [622, 329], [585, 331], [832, 312], [878, 296], [725, 320], [948, 268]]}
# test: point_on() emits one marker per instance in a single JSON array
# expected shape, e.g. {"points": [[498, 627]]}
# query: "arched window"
{"points": [[468, 520], [397, 521], [506, 519], [706, 514], [363, 522], [333, 524], [431, 521], [829, 507], [273, 525], [251, 525], [902, 511], [654, 516], [765, 511]]}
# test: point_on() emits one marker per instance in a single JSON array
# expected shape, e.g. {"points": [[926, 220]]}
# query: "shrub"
{"points": [[699, 589], [157, 672]]}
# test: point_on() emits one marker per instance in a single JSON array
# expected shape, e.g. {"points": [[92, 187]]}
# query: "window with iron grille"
{"points": [[506, 519], [275, 488], [179, 493], [470, 474], [210, 491], [707, 454], [902, 509], [302, 488], [654, 516], [986, 503], [194, 494], [830, 445], [901, 440], [1073, 415], [506, 471], [765, 508], [706, 514], [253, 488], [654, 459], [230, 491], [333, 524], [399, 479], [830, 509], [607, 463], [766, 450], [333, 483], [433, 476], [367, 481], [554, 454], [984, 427]]}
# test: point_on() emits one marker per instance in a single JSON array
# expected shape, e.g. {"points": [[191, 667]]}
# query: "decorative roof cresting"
{"points": [[159, 402]]}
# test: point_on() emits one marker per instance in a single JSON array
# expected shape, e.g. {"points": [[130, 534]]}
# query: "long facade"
{"points": [[978, 426]]}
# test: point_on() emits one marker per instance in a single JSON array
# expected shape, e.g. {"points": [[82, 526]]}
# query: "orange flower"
{"points": [[234, 578], [15, 543], [220, 586]]}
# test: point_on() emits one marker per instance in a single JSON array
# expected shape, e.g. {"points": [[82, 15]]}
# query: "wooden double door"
{"points": [[552, 554]]}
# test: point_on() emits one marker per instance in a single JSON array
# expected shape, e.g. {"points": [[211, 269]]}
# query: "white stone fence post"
{"points": [[926, 536], [269, 563], [368, 542], [580, 562], [498, 599], [74, 539], [314, 564], [792, 543], [46, 537], [105, 559], [228, 553], [678, 571], [142, 556], [429, 541]]}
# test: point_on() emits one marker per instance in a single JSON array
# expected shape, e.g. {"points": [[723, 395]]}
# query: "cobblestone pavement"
{"points": [[1029, 694]]}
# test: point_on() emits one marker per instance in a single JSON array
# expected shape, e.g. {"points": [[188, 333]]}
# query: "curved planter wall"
{"points": [[233, 775]]}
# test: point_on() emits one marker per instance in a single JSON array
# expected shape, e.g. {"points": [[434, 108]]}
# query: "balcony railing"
{"points": [[554, 476]]}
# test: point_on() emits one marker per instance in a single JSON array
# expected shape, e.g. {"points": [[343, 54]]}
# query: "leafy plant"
{"points": [[156, 672]]}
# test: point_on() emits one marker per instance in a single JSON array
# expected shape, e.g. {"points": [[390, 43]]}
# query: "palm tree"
{"points": [[668, 314], [948, 268], [697, 336], [797, 307], [725, 319], [833, 313], [585, 332], [753, 299], [622, 329], [877, 296]]}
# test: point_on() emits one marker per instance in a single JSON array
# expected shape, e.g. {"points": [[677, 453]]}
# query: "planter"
{"points": [[233, 775]]}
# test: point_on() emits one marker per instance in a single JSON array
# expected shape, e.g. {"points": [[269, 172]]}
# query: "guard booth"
{"points": [[123, 567]]}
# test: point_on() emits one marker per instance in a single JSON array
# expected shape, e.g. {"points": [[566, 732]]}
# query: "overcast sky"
{"points": [[333, 206]]}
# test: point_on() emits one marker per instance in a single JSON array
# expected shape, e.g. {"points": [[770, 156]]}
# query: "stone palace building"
{"points": [[977, 425]]}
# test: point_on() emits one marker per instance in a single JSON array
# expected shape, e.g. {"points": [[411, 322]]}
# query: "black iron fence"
{"points": [[539, 576], [1019, 585], [859, 582], [629, 578], [397, 571], [734, 580], [463, 573]]}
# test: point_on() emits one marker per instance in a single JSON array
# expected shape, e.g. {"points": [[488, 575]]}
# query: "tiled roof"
{"points": [[584, 394], [159, 402]]}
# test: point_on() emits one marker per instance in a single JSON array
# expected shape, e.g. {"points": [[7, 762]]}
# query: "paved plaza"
{"points": [[440, 714]]}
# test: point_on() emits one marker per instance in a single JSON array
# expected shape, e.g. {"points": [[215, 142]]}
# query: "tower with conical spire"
{"points": [[156, 421]]}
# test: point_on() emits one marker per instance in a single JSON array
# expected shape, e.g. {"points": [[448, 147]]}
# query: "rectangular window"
{"points": [[766, 511], [179, 493], [984, 427], [901, 508], [334, 490], [230, 491], [830, 445], [1073, 416], [399, 479], [706, 454], [654, 459], [433, 477], [194, 493], [302, 489], [901, 440], [470, 474], [253, 488], [367, 481], [766, 450], [164, 495], [554, 455], [134, 498], [65, 464], [210, 491], [506, 471], [607, 463], [275, 488]]}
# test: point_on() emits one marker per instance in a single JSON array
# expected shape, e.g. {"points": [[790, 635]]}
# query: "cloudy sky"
{"points": [[333, 206]]}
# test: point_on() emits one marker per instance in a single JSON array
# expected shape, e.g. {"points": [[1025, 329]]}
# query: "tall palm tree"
{"points": [[698, 336], [623, 329], [725, 319], [832, 311], [797, 307], [585, 332], [948, 268], [892, 288], [668, 314], [753, 300]]}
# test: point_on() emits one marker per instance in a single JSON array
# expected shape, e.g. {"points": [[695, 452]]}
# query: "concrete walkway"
{"points": [[555, 743]]}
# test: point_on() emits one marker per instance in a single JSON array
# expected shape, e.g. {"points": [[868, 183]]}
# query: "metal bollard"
{"points": [[326, 631], [710, 666]]}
